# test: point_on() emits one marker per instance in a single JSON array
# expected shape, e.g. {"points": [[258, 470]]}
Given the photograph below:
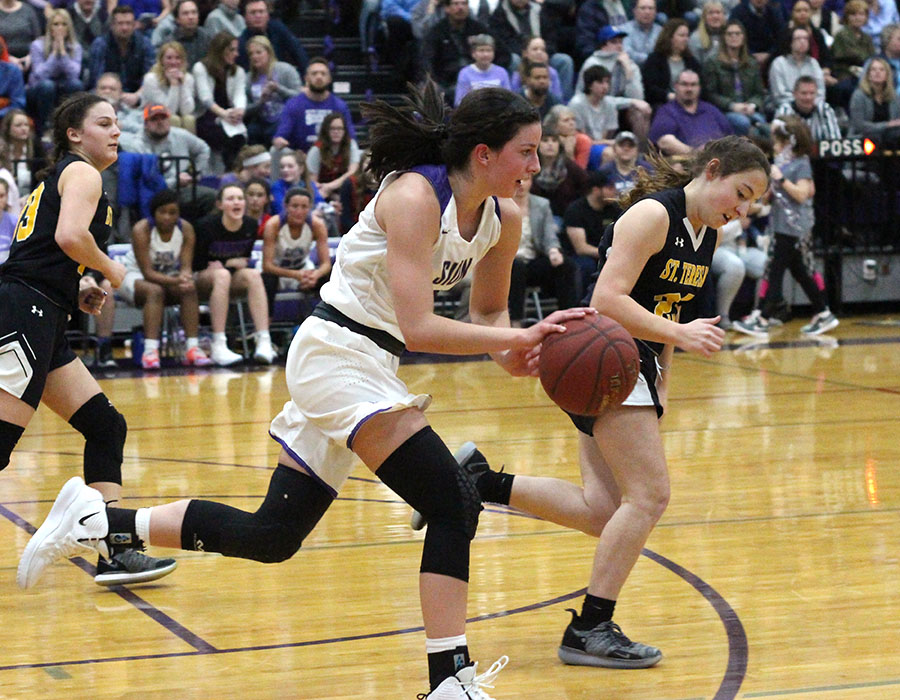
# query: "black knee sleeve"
{"points": [[274, 533], [9, 436], [104, 430], [423, 472]]}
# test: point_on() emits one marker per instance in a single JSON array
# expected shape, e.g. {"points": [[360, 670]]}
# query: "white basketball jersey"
{"points": [[165, 256]]}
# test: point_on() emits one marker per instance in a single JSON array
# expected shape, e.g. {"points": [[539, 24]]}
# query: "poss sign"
{"points": [[842, 148]]}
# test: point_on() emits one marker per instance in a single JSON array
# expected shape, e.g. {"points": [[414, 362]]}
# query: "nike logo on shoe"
{"points": [[81, 521]]}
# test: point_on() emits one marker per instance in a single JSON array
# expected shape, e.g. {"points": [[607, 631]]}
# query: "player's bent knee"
{"points": [[105, 431]]}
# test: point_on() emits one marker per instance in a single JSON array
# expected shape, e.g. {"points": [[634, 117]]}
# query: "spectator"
{"points": [[258, 193], [596, 113], [669, 58], [560, 180], [513, 21], [171, 84], [89, 20], [21, 26], [354, 199], [221, 98], [734, 260], [257, 14], [762, 22], [641, 32], [270, 84], [122, 51], [534, 50], [540, 260], [575, 144], [852, 48], [401, 47], [622, 169], [732, 81], [786, 69], [706, 39], [12, 84], [818, 44], [874, 107], [481, 73], [298, 127], [825, 18], [288, 239], [335, 157], [251, 161], [445, 50], [882, 13], [558, 18], [7, 221], [55, 68], [537, 88], [21, 153], [226, 17], [586, 219], [890, 43], [591, 19], [293, 173], [222, 261], [149, 14], [158, 273], [818, 115], [186, 30], [184, 158], [131, 119], [687, 122]]}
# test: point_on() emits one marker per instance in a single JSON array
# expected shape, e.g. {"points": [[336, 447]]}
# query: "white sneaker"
{"points": [[75, 525], [822, 322], [465, 685], [222, 356], [265, 353]]}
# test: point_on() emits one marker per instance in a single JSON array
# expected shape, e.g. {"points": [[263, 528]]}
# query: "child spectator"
{"points": [[170, 83], [158, 272], [55, 67], [258, 193], [251, 161], [585, 221], [293, 173], [560, 179], [271, 83], [335, 157], [481, 73]]}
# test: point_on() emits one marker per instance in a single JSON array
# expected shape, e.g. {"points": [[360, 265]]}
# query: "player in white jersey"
{"points": [[436, 215]]}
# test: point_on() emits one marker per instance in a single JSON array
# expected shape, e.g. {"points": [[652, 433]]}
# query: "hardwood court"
{"points": [[773, 574]]}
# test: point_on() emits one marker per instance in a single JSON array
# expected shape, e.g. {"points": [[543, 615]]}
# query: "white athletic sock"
{"points": [[192, 343], [220, 339], [151, 344], [142, 524]]}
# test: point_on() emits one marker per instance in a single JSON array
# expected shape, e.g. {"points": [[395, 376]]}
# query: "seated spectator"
{"points": [[706, 39], [131, 119], [560, 180], [335, 157], [818, 42], [513, 21], [288, 239], [593, 17], [762, 21], [540, 260], [222, 262], [622, 169], [890, 51], [55, 68], [882, 13], [21, 25], [158, 273], [852, 48], [355, 198], [226, 17], [258, 193], [122, 51], [401, 47], [734, 259], [641, 32], [298, 127], [537, 88], [687, 122], [12, 84], [21, 152], [89, 21], [669, 58], [825, 18], [293, 173], [786, 69], [8, 221], [875, 108], [186, 30], [534, 50], [585, 221], [221, 98], [597, 114], [481, 73], [270, 84], [251, 161], [257, 14], [576, 144], [732, 82], [171, 84], [183, 159]]}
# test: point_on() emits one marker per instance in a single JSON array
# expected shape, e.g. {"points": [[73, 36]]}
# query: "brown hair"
{"points": [[793, 129]]}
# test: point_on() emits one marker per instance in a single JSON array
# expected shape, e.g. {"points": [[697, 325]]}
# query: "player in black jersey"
{"points": [[57, 237]]}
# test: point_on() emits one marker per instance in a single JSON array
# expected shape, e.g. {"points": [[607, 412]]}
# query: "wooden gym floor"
{"points": [[773, 574]]}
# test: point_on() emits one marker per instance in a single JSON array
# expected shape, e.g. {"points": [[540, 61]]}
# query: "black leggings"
{"points": [[789, 254]]}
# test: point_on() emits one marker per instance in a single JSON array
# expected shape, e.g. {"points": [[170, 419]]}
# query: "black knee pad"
{"points": [[424, 473], [9, 436], [104, 430], [274, 533]]}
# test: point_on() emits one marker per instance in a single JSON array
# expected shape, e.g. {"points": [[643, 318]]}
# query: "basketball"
{"points": [[591, 367]]}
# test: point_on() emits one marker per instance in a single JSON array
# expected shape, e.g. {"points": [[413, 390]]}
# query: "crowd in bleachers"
{"points": [[226, 94]]}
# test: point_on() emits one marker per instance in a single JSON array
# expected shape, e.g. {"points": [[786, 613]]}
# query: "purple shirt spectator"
{"points": [[54, 67], [301, 117], [691, 128], [470, 78], [515, 82]]}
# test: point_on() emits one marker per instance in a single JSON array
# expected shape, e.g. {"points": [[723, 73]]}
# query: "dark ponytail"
{"points": [[69, 115], [423, 131]]}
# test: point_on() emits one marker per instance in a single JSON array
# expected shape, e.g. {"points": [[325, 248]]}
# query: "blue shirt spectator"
{"points": [[124, 52], [287, 46]]}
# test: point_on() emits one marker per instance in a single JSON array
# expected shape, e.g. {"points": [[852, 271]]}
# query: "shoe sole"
{"points": [[67, 495], [576, 657], [119, 578], [417, 520]]}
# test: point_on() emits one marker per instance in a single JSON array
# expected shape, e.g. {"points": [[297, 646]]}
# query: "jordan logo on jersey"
{"points": [[36, 311]]}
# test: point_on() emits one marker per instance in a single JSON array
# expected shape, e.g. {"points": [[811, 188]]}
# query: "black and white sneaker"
{"points": [[821, 323], [469, 457], [605, 645], [131, 566]]}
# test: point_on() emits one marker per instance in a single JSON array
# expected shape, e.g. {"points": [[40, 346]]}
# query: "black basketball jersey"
{"points": [[35, 258], [672, 278]]}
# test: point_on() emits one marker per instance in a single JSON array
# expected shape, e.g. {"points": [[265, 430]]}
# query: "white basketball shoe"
{"points": [[465, 685]]}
